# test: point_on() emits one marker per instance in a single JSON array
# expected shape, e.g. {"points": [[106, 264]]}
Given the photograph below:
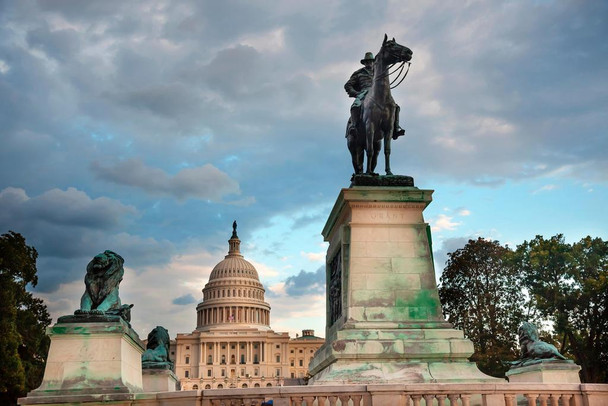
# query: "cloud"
{"points": [[68, 227], [448, 245], [204, 182], [69, 207], [314, 256], [306, 283], [184, 300], [443, 222], [545, 188]]}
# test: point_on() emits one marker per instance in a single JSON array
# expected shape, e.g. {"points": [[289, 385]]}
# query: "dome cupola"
{"points": [[233, 294]]}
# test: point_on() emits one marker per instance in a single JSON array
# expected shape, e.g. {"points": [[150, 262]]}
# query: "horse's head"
{"points": [[392, 52]]}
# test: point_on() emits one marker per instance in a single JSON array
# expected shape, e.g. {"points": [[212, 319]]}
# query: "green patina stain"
{"points": [[423, 305]]}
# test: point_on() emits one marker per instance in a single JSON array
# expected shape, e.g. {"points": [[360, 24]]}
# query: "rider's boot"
{"points": [[397, 131]]}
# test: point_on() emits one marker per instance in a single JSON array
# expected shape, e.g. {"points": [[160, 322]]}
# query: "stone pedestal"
{"points": [[159, 380], [384, 319], [548, 371], [92, 358]]}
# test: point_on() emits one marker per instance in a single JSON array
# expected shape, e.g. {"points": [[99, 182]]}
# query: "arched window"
{"points": [[194, 387], [244, 385], [257, 385], [220, 386], [268, 384], [207, 386]]}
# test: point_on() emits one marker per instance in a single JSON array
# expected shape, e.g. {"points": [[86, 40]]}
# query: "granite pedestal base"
{"points": [[384, 319], [159, 380], [548, 371], [92, 358]]}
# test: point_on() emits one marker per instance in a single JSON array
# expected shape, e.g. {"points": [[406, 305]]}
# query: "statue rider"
{"points": [[357, 86]]}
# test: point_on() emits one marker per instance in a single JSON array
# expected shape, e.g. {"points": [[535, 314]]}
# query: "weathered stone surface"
{"points": [[92, 358], [546, 371], [391, 328], [159, 380]]}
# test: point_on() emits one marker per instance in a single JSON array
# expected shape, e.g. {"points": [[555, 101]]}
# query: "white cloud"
{"points": [[314, 256], [443, 222], [545, 188]]}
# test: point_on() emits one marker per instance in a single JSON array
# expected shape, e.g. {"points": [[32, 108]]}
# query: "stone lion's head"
{"points": [[104, 273], [157, 338], [528, 333]]}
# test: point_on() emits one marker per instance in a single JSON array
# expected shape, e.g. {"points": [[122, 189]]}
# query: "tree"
{"points": [[480, 294], [23, 320], [569, 284]]}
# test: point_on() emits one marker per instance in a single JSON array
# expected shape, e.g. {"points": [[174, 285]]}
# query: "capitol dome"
{"points": [[233, 297]]}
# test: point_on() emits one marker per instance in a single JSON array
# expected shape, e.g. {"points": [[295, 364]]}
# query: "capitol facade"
{"points": [[233, 345]]}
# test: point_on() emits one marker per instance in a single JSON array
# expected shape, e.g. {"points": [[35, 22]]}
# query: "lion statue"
{"points": [[104, 274], [157, 350], [532, 348]]}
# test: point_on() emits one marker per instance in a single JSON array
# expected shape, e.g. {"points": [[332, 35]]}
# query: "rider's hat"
{"points": [[368, 57]]}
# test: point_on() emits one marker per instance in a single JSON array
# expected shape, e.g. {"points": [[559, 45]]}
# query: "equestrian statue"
{"points": [[374, 114]]}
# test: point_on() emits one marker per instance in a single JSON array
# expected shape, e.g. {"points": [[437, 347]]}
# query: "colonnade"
{"points": [[233, 314]]}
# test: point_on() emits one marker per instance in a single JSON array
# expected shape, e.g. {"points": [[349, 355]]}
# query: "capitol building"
{"points": [[233, 345]]}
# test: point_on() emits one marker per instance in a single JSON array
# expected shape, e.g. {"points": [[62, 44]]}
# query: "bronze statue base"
{"points": [[363, 179]]}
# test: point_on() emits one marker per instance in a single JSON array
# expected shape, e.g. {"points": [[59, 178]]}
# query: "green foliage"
{"points": [[23, 320], [480, 294], [569, 284]]}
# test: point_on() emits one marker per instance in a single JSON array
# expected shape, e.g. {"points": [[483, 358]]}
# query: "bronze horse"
{"points": [[378, 111]]}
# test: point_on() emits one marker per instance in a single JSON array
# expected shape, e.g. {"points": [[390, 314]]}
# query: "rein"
{"points": [[386, 73]]}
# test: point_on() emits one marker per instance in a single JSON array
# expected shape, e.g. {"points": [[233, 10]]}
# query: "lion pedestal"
{"points": [[92, 354], [546, 371], [159, 380]]}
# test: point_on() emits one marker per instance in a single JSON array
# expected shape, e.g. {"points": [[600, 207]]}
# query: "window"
{"points": [[293, 375], [220, 386], [208, 372], [268, 384], [257, 385], [172, 352], [242, 372], [242, 358], [255, 346], [187, 347], [255, 359], [232, 347], [223, 359], [187, 360], [194, 387], [187, 374], [207, 386], [242, 346], [278, 358], [256, 372], [292, 351], [278, 372], [291, 363], [301, 351], [209, 359], [301, 362], [278, 346], [223, 347], [223, 372], [210, 346]]}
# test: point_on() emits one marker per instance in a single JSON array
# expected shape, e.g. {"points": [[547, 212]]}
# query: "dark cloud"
{"points": [[205, 182], [184, 300], [68, 228], [306, 283], [448, 246]]}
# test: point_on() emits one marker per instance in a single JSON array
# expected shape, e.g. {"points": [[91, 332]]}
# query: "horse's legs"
{"points": [[387, 153], [377, 146], [369, 146]]}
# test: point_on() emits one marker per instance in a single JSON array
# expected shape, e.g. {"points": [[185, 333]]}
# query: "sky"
{"points": [[147, 127]]}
